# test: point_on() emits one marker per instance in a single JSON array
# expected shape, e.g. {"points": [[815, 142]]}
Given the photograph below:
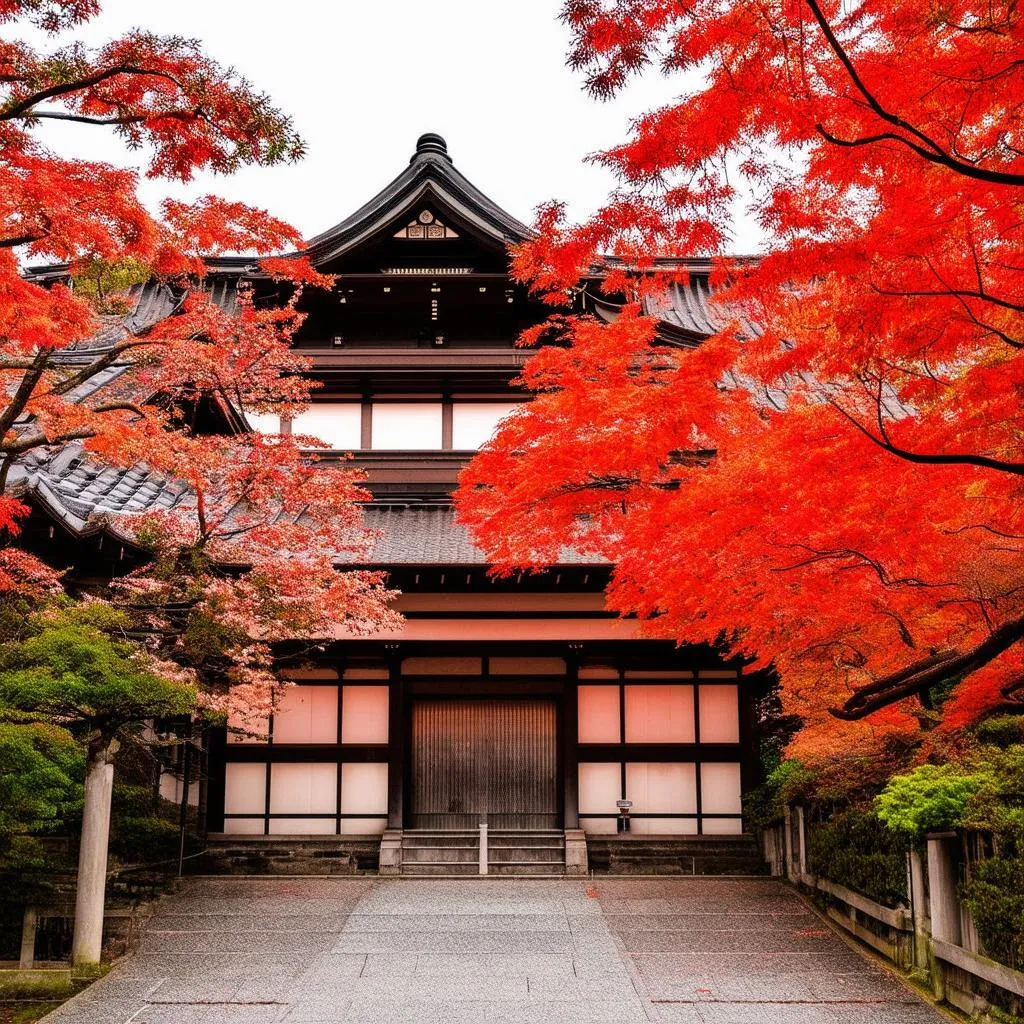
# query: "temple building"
{"points": [[518, 703]]}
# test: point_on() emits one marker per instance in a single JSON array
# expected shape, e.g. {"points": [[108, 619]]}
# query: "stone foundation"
{"points": [[290, 855]]}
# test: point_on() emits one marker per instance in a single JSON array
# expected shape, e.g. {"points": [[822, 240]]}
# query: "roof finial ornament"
{"points": [[431, 142]]}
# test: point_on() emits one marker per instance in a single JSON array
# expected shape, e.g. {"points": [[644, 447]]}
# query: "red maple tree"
{"points": [[246, 553], [831, 481], [257, 503]]}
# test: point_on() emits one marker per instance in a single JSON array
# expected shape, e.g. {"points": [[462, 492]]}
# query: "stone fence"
{"points": [[933, 939]]}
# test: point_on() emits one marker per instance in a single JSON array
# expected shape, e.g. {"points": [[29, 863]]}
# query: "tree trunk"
{"points": [[87, 942]]}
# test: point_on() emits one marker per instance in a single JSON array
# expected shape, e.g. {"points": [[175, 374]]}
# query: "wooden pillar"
{"points": [[447, 422], [570, 748], [216, 777], [396, 744], [366, 423]]}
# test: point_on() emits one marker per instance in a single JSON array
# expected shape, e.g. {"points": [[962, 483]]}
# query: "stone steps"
{"points": [[429, 852]]}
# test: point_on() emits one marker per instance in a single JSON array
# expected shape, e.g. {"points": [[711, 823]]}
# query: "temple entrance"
{"points": [[492, 761]]}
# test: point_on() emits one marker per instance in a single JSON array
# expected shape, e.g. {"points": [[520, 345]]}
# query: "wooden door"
{"points": [[492, 761]]}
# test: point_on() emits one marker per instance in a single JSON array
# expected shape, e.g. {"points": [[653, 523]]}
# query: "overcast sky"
{"points": [[364, 78]]}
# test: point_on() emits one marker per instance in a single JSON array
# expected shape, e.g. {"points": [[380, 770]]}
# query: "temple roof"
{"points": [[89, 497], [430, 175]]}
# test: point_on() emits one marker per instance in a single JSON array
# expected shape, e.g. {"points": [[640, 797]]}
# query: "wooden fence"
{"points": [[933, 938]]}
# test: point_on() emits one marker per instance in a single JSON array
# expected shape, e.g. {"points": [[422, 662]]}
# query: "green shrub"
{"points": [[145, 840], [996, 901], [997, 805], [132, 801], [928, 798], [856, 850], [1001, 730], [787, 782]]}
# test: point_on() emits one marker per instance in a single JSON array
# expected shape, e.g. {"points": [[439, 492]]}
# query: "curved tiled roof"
{"points": [[430, 171], [692, 308], [88, 497]]}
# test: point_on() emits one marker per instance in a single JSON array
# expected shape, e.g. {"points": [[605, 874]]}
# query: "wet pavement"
{"points": [[265, 950]]}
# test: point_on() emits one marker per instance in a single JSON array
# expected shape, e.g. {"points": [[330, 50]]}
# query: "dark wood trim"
{"points": [[366, 423], [447, 423], [696, 767], [292, 753], [570, 748], [731, 752], [459, 687], [218, 741], [396, 746]]}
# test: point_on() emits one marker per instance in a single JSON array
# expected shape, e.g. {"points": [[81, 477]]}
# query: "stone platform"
{"points": [[360, 950]]}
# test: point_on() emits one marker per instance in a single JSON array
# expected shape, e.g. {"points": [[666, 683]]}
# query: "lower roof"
{"points": [[89, 497]]}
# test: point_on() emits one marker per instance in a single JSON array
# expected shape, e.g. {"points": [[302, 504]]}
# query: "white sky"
{"points": [[364, 79]]}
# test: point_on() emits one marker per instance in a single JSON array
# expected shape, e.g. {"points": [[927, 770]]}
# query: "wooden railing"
{"points": [[933, 938]]}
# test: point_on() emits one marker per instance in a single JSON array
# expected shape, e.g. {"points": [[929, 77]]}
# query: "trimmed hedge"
{"points": [[995, 899], [856, 850]]}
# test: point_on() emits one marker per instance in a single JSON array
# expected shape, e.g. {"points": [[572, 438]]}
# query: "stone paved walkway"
{"points": [[369, 951]]}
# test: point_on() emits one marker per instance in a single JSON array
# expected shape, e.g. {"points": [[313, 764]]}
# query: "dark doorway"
{"points": [[492, 761]]}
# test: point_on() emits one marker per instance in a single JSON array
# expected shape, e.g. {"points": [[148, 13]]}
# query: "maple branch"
{"points": [[925, 147], [23, 108], [865, 561], [11, 243], [950, 293], [932, 459], [29, 441], [988, 529], [18, 401], [924, 674], [121, 407], [56, 115]]}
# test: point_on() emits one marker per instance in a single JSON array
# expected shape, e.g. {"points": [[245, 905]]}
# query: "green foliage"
{"points": [[1001, 730], [145, 840], [997, 805], [791, 780], [856, 850], [927, 798], [41, 772], [72, 668], [995, 899], [105, 282], [132, 801]]}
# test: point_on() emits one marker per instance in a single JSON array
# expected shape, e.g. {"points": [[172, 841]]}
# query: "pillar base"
{"points": [[390, 852], [575, 852]]}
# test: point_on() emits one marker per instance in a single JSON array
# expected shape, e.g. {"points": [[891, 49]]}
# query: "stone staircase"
{"points": [[526, 853], [427, 852]]}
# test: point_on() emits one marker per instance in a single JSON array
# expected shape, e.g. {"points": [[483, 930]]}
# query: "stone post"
{"points": [[919, 910], [943, 900], [787, 835], [483, 847], [87, 942], [801, 826], [944, 904], [28, 938]]}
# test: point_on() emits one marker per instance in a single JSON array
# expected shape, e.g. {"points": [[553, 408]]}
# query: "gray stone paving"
{"points": [[498, 951]]}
